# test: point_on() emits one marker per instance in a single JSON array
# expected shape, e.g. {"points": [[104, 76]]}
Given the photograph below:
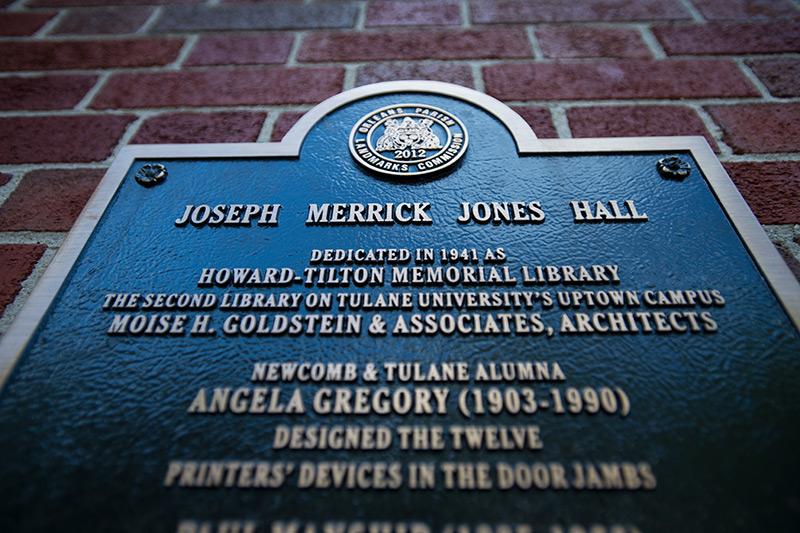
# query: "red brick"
{"points": [[770, 188], [46, 92], [522, 11], [636, 121], [48, 200], [745, 9], [781, 76], [201, 128], [585, 41], [103, 20], [50, 55], [458, 74], [65, 139], [270, 48], [284, 123], [431, 44], [428, 13], [259, 16], [730, 38], [616, 79], [4, 178], [18, 24], [539, 119], [18, 261], [221, 87], [761, 128]]}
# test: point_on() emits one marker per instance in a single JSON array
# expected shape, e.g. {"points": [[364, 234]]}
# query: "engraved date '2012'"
{"points": [[410, 153]]}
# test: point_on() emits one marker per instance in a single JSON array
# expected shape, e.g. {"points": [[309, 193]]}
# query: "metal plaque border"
{"points": [[761, 249]]}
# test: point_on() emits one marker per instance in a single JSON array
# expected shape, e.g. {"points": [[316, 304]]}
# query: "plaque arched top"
{"points": [[524, 137]]}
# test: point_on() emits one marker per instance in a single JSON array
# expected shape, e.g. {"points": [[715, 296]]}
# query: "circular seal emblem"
{"points": [[408, 140]]}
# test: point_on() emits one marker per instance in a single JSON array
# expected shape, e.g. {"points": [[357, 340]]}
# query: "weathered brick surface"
{"points": [[540, 120], [731, 38], [781, 76], [43, 93], [422, 44], [616, 79], [745, 9], [587, 41], [770, 188], [759, 128], [520, 11], [636, 121], [262, 16], [201, 128], [50, 55], [48, 200], [103, 20], [18, 24], [458, 74], [284, 123], [269, 48], [66, 139], [18, 261], [220, 87], [413, 13]]}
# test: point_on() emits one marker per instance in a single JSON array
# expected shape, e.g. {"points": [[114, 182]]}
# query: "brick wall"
{"points": [[81, 78]]}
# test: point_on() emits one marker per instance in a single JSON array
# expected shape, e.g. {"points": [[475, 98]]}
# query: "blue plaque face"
{"points": [[410, 316]]}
